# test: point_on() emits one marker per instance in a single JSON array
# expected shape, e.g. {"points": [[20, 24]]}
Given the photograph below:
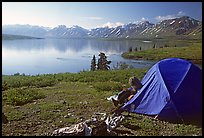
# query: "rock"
{"points": [[17, 107], [57, 110], [62, 101], [49, 121], [66, 116]]}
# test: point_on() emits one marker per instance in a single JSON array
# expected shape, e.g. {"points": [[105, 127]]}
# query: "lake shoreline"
{"points": [[45, 56], [191, 53]]}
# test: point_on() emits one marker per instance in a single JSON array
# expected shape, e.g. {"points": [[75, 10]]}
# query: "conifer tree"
{"points": [[103, 63], [130, 49], [93, 63]]}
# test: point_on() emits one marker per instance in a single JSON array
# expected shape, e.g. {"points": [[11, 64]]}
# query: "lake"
{"points": [[46, 56]]}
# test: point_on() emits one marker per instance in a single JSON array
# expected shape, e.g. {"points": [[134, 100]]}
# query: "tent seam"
{"points": [[159, 73], [183, 77]]}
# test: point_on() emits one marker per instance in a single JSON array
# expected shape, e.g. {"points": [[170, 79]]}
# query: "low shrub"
{"points": [[21, 96]]}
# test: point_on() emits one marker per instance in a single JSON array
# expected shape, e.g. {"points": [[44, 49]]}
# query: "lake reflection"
{"points": [[44, 56]]}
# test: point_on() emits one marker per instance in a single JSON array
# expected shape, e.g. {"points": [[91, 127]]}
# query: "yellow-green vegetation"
{"points": [[192, 53], [20, 96], [60, 100], [145, 126]]}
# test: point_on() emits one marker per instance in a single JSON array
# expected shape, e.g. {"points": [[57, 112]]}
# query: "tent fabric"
{"points": [[172, 89]]}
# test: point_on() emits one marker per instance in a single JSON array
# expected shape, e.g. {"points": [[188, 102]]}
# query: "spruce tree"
{"points": [[130, 49], [93, 63], [103, 63]]}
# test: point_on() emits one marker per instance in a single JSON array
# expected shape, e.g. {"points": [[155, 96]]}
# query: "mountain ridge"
{"points": [[184, 27]]}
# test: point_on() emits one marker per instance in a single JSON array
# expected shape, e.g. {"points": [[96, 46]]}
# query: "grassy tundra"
{"points": [[37, 105]]}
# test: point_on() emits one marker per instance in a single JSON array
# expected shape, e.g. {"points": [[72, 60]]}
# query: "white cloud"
{"points": [[93, 18], [181, 13], [161, 18], [144, 19], [172, 16], [111, 25], [141, 20]]}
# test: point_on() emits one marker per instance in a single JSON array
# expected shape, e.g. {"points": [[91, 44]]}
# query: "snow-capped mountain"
{"points": [[123, 31], [62, 31], [183, 26], [172, 27]]}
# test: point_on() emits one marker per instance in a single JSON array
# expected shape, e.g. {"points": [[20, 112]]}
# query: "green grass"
{"points": [[192, 53], [147, 126], [27, 81], [15, 115], [74, 98], [21, 96], [39, 81]]}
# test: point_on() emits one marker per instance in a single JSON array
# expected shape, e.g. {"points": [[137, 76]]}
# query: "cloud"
{"points": [[143, 19], [161, 18], [172, 16], [181, 13], [111, 25], [93, 18]]}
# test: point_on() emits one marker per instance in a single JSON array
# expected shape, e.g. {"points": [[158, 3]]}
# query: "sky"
{"points": [[90, 15]]}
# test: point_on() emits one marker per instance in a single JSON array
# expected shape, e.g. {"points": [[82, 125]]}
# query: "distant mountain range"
{"points": [[11, 37], [183, 27]]}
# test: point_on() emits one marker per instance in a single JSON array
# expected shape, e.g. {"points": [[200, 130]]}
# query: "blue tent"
{"points": [[172, 89]]}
